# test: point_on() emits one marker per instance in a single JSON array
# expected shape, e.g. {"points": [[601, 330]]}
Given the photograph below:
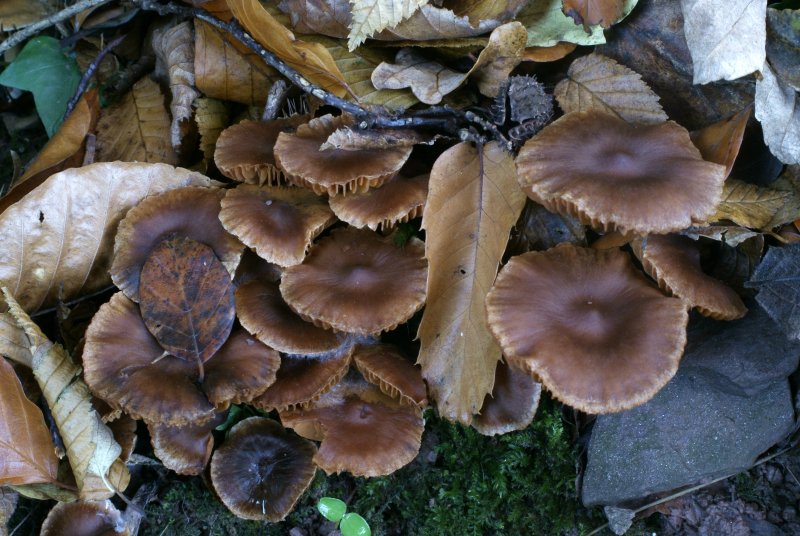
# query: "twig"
{"points": [[23, 34], [84, 83], [275, 99]]}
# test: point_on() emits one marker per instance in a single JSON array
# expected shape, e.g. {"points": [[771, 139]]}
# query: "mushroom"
{"points": [[357, 282], [383, 365], [615, 175], [185, 449], [398, 200], [588, 325], [512, 404], [261, 469], [84, 518]]}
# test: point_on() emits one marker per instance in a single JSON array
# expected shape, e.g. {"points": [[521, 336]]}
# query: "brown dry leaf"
{"points": [[13, 343], [473, 202], [223, 72], [749, 205], [547, 54], [136, 128], [27, 454], [592, 12], [59, 238], [211, 116], [186, 299], [371, 16], [20, 13], [174, 48], [91, 449], [349, 139], [720, 142], [502, 54], [428, 80], [596, 82], [311, 60]]}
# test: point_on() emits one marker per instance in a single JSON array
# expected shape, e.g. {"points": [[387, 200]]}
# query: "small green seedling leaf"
{"points": [[354, 525], [43, 69], [331, 509]]}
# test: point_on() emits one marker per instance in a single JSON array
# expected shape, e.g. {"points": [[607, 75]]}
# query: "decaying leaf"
{"points": [[186, 299], [726, 39], [372, 16], [428, 80], [223, 72], [13, 343], [312, 60], [547, 24], [211, 116], [27, 454], [91, 449], [174, 48], [783, 44], [789, 182], [749, 205], [592, 12], [596, 82], [136, 128], [732, 235], [778, 110], [472, 204], [720, 142], [59, 238], [502, 54], [777, 279]]}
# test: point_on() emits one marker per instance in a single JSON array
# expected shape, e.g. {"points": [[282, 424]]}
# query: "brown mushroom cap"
{"points": [[263, 312], [278, 223], [262, 469], [357, 282], [185, 212], [186, 449], [84, 518], [616, 175], [254, 267], [398, 200], [334, 171], [383, 365], [241, 370], [512, 403], [123, 365], [588, 325], [674, 261]]}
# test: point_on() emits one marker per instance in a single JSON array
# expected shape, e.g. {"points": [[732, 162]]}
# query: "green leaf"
{"points": [[547, 24], [331, 509], [354, 525], [45, 71]]}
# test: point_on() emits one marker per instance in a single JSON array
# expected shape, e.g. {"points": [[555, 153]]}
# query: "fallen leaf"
{"points": [[211, 116], [726, 38], [592, 12], [788, 181], [777, 280], [596, 82], [326, 17], [8, 503], [27, 454], [720, 142], [783, 44], [91, 449], [18, 14], [13, 343], [547, 24], [731, 235], [428, 80], [311, 60], [496, 61], [136, 128], [472, 204], [350, 139], [371, 16], [749, 205], [186, 299], [478, 10], [59, 238], [778, 110], [548, 54], [223, 72], [174, 48]]}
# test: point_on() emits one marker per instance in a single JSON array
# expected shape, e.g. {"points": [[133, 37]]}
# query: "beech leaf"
{"points": [[211, 116], [726, 39], [59, 238], [27, 454], [778, 110], [597, 82], [186, 299], [473, 202], [591, 12], [547, 25], [91, 449], [749, 205], [777, 279], [372, 16]]}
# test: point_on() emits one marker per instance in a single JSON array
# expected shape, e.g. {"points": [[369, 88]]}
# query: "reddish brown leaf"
{"points": [[27, 454], [186, 299], [720, 142], [592, 12]]}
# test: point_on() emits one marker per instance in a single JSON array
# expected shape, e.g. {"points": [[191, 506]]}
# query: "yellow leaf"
{"points": [[211, 116], [474, 201], [372, 16], [749, 205]]}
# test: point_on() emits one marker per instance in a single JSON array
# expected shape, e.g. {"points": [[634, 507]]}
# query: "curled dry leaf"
{"points": [[727, 39], [596, 82], [174, 48], [27, 454], [720, 142], [59, 238], [749, 205], [464, 246], [211, 116], [591, 12], [91, 449], [778, 110], [500, 57], [429, 80], [371, 16], [136, 128], [13, 342]]}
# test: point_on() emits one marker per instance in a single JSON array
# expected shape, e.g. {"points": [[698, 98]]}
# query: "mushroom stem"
{"points": [[201, 373]]}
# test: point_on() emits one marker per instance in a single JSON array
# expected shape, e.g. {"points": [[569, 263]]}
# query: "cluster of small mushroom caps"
{"points": [[586, 323]]}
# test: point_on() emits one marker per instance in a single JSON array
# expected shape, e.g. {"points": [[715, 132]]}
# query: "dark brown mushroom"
{"points": [[185, 449], [383, 365], [84, 518], [512, 404], [398, 200]]}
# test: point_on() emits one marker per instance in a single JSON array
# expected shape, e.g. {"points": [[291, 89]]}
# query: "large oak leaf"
{"points": [[474, 201]]}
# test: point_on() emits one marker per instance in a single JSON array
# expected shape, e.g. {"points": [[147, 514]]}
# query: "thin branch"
{"points": [[275, 99], [23, 34], [87, 76]]}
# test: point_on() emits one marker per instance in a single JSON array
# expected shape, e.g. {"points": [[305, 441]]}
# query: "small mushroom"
{"points": [[185, 449], [512, 404], [84, 518], [398, 200], [383, 365]]}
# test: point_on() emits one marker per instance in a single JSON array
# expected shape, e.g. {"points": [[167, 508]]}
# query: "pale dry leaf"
{"points": [[596, 82], [732, 235], [547, 25], [20, 13], [503, 53], [174, 48], [371, 16], [472, 204], [91, 449], [13, 343], [429, 80], [778, 110], [136, 129], [593, 12], [211, 116], [325, 17], [726, 38], [59, 238], [348, 139], [223, 72], [27, 453], [749, 205]]}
